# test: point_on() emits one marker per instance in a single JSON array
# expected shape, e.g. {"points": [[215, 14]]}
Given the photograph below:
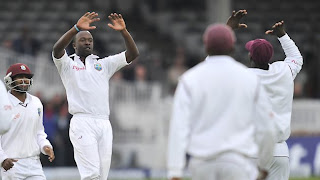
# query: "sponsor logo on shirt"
{"points": [[98, 66], [78, 68], [16, 116], [7, 107]]}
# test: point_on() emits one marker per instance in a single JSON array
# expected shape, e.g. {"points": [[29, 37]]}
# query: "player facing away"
{"points": [[6, 114], [219, 117], [86, 79], [278, 80], [20, 147]]}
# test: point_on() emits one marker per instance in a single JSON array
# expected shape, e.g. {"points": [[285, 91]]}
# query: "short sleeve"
{"points": [[61, 63], [114, 63]]}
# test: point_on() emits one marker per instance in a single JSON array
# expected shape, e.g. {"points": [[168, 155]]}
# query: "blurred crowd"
{"points": [[152, 66]]}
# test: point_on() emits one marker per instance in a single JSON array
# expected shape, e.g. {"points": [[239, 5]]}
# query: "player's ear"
{"points": [[74, 45]]}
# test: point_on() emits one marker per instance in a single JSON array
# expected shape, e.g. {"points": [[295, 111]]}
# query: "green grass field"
{"points": [[311, 178]]}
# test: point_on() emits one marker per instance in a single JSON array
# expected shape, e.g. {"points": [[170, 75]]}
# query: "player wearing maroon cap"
{"points": [[20, 147], [278, 79], [217, 121]]}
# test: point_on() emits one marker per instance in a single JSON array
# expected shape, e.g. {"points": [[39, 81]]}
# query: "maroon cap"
{"points": [[261, 51], [219, 39], [19, 68]]}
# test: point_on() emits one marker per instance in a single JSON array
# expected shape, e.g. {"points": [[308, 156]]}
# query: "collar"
{"points": [[218, 58], [91, 56], [15, 101]]}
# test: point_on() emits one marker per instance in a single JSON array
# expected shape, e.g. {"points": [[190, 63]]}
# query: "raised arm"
{"points": [[83, 24], [234, 19], [293, 56], [118, 24]]}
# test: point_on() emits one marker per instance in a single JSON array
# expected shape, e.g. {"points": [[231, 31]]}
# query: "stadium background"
{"points": [[168, 35]]}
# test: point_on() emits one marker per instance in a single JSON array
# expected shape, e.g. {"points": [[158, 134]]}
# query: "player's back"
{"points": [[278, 83], [222, 95]]}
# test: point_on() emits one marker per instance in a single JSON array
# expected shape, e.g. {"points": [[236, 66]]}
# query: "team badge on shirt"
{"points": [[39, 111], [98, 66]]}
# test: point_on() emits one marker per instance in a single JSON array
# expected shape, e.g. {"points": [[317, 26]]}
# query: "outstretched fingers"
{"points": [[269, 32]]}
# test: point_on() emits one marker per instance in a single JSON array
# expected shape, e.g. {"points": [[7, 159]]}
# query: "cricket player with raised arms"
{"points": [[85, 77]]}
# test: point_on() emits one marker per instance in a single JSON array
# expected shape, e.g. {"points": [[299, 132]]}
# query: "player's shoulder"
{"points": [[35, 99], [192, 71]]}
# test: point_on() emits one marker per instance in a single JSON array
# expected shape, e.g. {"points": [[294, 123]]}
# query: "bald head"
{"points": [[219, 39]]}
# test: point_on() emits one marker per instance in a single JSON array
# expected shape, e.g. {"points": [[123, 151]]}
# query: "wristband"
{"points": [[75, 26]]}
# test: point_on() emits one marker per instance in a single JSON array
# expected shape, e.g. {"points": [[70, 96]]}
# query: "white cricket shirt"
{"points": [[214, 111], [26, 137], [87, 86], [5, 110], [278, 82]]}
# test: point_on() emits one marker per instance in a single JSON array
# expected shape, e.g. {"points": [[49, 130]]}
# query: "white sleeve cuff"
{"points": [[284, 37], [45, 143], [58, 59]]}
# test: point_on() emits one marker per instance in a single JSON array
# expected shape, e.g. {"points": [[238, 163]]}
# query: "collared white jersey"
{"points": [[87, 86], [26, 137], [6, 114], [279, 84], [214, 111]]}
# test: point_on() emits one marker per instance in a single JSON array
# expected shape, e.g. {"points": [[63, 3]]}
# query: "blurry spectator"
{"points": [[63, 144], [26, 44], [158, 73], [142, 91], [177, 69], [50, 118], [140, 73]]}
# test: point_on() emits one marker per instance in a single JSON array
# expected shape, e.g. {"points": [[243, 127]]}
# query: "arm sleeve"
{"points": [[114, 63], [61, 63], [293, 56], [3, 155], [179, 131], [265, 128], [6, 114], [41, 135]]}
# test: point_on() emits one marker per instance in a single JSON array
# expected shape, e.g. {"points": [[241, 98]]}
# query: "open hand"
{"points": [[117, 22], [85, 21], [277, 29], [49, 151], [8, 163], [234, 19]]}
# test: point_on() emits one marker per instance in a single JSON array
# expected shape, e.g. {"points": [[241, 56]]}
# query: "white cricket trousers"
{"points": [[24, 169], [92, 143], [279, 168], [227, 166]]}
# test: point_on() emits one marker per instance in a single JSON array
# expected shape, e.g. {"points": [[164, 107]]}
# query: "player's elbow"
{"points": [[133, 55]]}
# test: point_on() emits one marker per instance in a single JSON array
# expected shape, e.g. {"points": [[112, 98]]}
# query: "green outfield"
{"points": [[311, 178]]}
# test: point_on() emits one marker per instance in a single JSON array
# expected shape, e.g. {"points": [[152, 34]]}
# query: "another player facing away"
{"points": [[278, 80], [20, 147], [86, 79], [219, 117], [6, 114]]}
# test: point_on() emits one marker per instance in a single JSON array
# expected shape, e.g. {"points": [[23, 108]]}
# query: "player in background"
{"points": [[20, 147], [6, 114], [86, 79], [278, 80], [219, 116]]}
